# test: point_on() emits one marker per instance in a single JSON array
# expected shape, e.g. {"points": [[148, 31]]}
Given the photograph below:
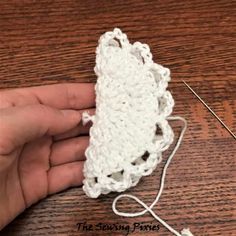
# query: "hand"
{"points": [[40, 150]]}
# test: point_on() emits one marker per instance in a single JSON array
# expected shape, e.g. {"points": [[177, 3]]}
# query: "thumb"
{"points": [[19, 125]]}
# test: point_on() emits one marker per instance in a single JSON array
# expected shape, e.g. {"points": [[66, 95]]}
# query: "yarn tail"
{"points": [[184, 232]]}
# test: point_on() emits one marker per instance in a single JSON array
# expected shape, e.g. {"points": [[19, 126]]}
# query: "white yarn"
{"points": [[184, 232], [131, 103]]}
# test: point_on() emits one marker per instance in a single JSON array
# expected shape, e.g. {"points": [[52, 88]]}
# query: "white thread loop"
{"points": [[184, 232]]}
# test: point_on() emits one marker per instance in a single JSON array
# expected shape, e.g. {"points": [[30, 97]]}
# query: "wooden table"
{"points": [[46, 42]]}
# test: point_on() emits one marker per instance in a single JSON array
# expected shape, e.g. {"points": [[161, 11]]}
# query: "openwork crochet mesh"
{"points": [[130, 128]]}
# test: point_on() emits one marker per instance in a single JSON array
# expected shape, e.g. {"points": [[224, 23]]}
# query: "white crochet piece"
{"points": [[130, 128]]}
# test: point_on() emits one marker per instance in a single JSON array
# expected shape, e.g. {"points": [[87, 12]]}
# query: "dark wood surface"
{"points": [[45, 42]]}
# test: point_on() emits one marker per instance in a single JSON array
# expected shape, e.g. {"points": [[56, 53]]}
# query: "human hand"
{"points": [[40, 150]]}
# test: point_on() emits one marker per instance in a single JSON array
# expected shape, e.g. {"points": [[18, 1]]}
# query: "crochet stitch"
{"points": [[130, 130]]}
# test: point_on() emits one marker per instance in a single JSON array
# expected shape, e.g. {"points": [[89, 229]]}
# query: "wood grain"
{"points": [[45, 42]]}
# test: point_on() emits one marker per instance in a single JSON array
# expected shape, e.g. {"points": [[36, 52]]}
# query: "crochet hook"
{"points": [[212, 112]]}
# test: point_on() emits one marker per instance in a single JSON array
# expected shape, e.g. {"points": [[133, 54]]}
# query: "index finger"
{"points": [[61, 96]]}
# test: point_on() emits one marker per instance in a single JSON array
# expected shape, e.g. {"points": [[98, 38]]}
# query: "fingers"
{"points": [[64, 176], [70, 150], [61, 96], [80, 129], [19, 125]]}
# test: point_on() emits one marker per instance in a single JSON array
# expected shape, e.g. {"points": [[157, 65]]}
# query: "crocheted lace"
{"points": [[130, 128]]}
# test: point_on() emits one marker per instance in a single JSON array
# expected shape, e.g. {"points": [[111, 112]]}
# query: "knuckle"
{"points": [[11, 98], [4, 101]]}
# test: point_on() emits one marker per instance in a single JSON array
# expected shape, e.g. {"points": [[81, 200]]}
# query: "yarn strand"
{"points": [[184, 232]]}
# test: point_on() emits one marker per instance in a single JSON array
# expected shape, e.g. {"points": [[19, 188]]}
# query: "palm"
{"points": [[27, 174], [33, 167]]}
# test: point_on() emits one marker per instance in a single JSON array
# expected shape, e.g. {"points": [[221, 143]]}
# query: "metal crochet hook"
{"points": [[212, 112]]}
